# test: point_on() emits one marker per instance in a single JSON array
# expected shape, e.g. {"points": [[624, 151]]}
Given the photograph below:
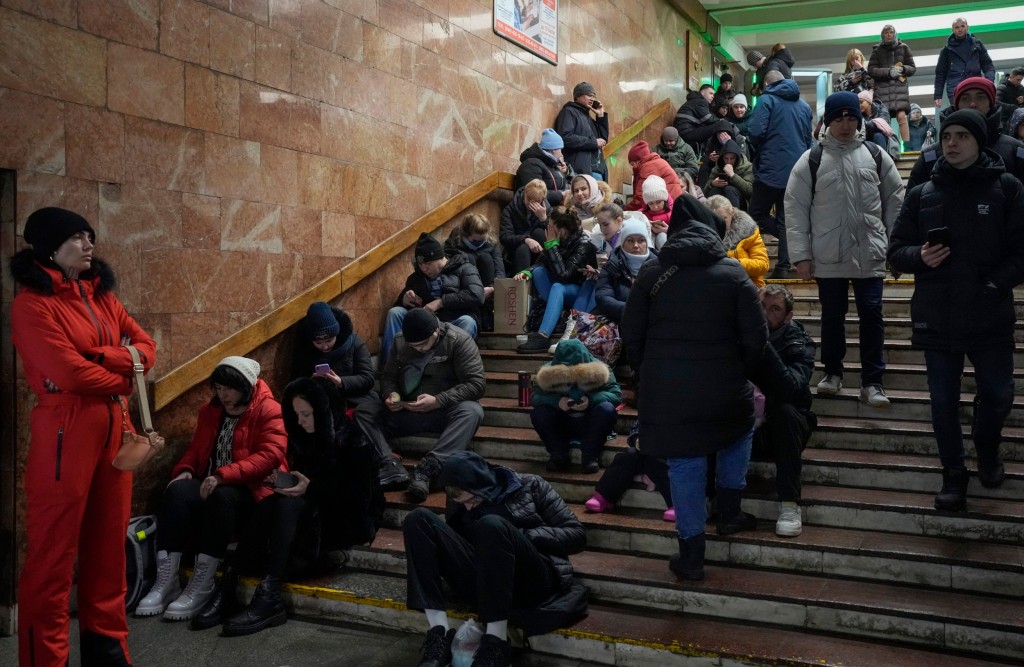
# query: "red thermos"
{"points": [[524, 389]]}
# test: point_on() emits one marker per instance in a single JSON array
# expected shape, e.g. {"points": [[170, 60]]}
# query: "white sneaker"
{"points": [[165, 589], [830, 384], [200, 588], [874, 396], [790, 523]]}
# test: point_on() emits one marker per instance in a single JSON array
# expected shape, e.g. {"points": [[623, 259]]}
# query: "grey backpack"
{"points": [[140, 559]]}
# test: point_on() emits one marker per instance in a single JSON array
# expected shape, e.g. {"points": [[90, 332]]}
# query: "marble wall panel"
{"points": [[36, 190], [136, 216], [370, 231], [366, 90], [134, 22], [64, 12], [232, 167], [193, 331], [146, 84], [164, 156], [402, 95], [278, 176], [364, 10], [403, 18], [33, 130], [211, 101], [43, 58], [272, 117], [321, 182], [331, 29], [256, 11], [319, 75], [185, 31], [387, 52], [338, 234], [232, 45], [302, 233], [251, 226], [95, 144], [273, 58], [353, 137], [126, 260], [200, 221]]}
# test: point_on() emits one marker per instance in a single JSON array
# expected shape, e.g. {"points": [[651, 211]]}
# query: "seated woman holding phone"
{"points": [[328, 502], [238, 442], [326, 345]]}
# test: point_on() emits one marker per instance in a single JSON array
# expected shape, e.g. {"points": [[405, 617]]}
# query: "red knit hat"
{"points": [[639, 151], [976, 83]]}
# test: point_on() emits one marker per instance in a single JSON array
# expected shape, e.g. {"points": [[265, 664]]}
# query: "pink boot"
{"points": [[669, 515], [598, 504]]}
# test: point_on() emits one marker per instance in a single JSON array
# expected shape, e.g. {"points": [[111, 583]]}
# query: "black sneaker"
{"points": [[437, 647], [590, 466], [391, 474], [492, 652], [537, 343], [423, 477]]}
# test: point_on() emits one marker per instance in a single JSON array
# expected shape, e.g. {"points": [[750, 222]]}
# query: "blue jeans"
{"points": [[556, 428], [688, 479], [993, 371], [393, 325], [559, 295], [833, 293]]}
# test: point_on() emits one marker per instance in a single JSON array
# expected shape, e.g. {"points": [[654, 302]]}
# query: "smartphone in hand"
{"points": [[939, 236], [284, 480], [322, 369]]}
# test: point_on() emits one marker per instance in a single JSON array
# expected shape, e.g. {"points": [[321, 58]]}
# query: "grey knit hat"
{"points": [[753, 57], [583, 88], [249, 368]]}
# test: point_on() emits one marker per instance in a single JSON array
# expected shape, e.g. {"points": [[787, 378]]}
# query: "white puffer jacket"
{"points": [[845, 231]]}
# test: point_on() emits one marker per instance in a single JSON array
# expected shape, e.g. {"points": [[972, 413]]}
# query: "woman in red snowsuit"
{"points": [[70, 332]]}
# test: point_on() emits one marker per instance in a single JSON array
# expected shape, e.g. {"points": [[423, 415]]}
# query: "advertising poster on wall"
{"points": [[532, 24]]}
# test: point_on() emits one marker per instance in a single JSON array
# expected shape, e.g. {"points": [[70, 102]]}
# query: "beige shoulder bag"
{"points": [[137, 449]]}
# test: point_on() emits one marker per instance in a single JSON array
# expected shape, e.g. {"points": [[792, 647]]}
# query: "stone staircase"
{"points": [[878, 577]]}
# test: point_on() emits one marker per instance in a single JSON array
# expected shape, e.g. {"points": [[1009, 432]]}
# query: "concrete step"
{"points": [[904, 405], [902, 352], [896, 328], [373, 593], [905, 376]]}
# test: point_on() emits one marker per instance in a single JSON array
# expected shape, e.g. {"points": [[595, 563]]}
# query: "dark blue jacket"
{"points": [[580, 133], [780, 128], [959, 60]]}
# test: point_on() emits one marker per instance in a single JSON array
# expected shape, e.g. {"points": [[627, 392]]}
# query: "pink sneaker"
{"points": [[669, 515], [598, 504]]}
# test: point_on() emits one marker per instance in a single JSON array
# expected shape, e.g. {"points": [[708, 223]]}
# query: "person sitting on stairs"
{"points": [[504, 547], [239, 440], [961, 234], [632, 465]]}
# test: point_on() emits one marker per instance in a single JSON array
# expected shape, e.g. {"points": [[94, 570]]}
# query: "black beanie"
{"points": [[688, 208], [320, 321], [841, 104], [428, 249], [47, 228], [725, 77], [418, 325], [972, 121]]}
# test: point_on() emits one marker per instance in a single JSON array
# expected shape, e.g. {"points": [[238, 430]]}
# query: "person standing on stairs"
{"points": [[693, 329], [785, 379], [239, 440], [504, 547], [583, 125], [962, 236], [841, 207]]}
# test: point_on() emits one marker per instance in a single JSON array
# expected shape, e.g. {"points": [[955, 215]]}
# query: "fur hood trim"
{"points": [[33, 275], [558, 378], [743, 227]]}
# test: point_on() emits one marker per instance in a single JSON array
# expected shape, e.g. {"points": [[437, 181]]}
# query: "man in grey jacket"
{"points": [[840, 213], [432, 382]]}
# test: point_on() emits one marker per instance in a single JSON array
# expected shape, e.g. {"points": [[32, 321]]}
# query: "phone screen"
{"points": [[322, 369]]}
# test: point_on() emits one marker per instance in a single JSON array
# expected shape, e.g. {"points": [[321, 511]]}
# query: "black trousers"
{"points": [[782, 439], [498, 570], [627, 465], [267, 543], [219, 517]]}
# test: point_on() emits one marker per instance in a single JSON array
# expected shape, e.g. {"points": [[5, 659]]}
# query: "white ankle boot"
{"points": [[198, 591], [166, 588]]}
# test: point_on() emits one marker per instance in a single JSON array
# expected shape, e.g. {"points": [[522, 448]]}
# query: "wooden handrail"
{"points": [[198, 369], [251, 336], [631, 132]]}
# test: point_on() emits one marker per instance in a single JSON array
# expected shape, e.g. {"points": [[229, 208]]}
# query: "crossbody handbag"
{"points": [[137, 449]]}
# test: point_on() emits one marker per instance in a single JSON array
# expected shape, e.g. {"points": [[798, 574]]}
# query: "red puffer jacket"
{"points": [[653, 164], [259, 445], [70, 331]]}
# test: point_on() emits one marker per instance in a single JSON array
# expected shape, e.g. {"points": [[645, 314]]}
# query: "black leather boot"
{"points": [[222, 604], [689, 562], [265, 611], [437, 647], [953, 496], [731, 518], [102, 651]]}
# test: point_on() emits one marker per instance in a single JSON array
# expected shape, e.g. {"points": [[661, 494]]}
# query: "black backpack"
{"points": [[140, 559]]}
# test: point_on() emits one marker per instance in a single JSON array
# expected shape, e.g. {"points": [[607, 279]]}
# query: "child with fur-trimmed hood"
{"points": [[574, 397]]}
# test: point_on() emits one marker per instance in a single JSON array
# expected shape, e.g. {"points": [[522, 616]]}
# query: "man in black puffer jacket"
{"points": [[449, 288], [585, 136], [962, 236], [693, 329], [505, 547], [696, 124]]}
